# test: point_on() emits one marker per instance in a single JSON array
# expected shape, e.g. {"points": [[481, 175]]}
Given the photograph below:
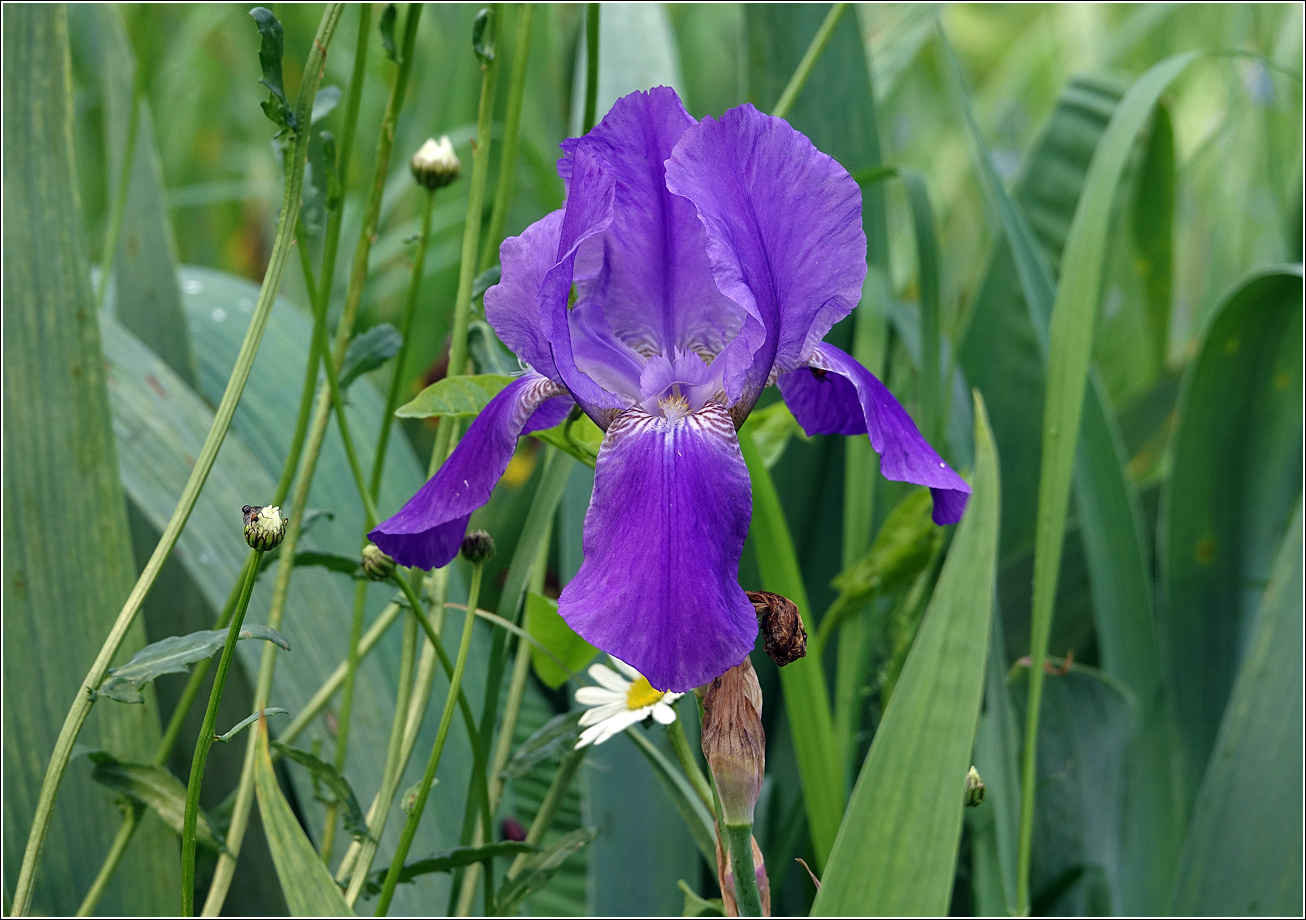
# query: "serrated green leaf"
{"points": [[310, 891], [174, 655], [897, 847], [1242, 855], [250, 720], [335, 562], [369, 351], [536, 871], [551, 630], [447, 862], [155, 788], [549, 744], [455, 397], [329, 776], [270, 51]]}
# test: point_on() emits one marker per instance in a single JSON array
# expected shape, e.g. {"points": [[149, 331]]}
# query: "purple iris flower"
{"points": [[707, 259]]}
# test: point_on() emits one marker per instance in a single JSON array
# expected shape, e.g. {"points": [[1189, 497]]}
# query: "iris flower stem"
{"points": [[549, 807], [205, 741], [244, 363], [511, 133], [346, 713], [685, 754], [441, 735], [308, 463], [119, 211], [740, 837], [810, 57], [591, 66]]}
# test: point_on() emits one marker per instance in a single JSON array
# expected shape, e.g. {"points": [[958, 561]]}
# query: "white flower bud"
{"points": [[436, 165]]}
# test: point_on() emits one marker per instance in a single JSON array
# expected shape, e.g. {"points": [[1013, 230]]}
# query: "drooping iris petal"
{"points": [[657, 289], [836, 395], [659, 585], [784, 237], [429, 528]]}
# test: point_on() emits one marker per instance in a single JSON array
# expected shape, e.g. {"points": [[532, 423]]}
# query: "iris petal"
{"points": [[427, 531], [836, 395], [659, 588]]}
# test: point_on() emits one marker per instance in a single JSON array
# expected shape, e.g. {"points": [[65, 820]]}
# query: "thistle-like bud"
{"points": [[783, 635], [974, 788], [478, 546], [734, 742], [436, 165], [264, 526], [376, 564]]}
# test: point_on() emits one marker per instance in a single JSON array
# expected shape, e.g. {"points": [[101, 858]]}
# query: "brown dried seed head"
{"points": [[783, 635]]}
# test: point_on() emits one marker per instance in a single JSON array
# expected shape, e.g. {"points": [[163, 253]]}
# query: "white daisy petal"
{"points": [[605, 676], [599, 713], [626, 669], [588, 735], [599, 696], [663, 714]]}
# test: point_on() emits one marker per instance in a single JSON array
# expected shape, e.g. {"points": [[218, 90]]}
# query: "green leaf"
{"points": [[387, 27], [324, 103], [67, 555], [329, 776], [483, 28], [536, 871], [544, 623], [771, 428], [334, 562], [174, 655], [897, 847], [907, 541], [250, 720], [369, 351], [698, 906], [455, 397], [271, 48], [485, 280], [579, 438], [487, 352], [548, 744], [310, 891], [447, 862], [1243, 852], [701, 823], [1237, 468], [155, 788]]}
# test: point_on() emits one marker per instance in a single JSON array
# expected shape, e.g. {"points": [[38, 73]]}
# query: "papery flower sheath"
{"points": [[707, 260]]}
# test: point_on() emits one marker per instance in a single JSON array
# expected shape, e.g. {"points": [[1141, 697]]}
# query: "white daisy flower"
{"points": [[620, 702]]}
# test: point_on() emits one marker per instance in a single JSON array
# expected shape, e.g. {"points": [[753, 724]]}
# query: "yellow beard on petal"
{"points": [[674, 407]]}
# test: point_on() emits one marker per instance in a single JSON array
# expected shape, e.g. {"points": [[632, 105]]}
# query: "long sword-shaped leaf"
{"points": [[1243, 852], [897, 849]]}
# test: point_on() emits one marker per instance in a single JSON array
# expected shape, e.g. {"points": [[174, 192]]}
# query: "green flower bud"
{"points": [[734, 742], [436, 165], [974, 788], [478, 546], [376, 564], [264, 526]]}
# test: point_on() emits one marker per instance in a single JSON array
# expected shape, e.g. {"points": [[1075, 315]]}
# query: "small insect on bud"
{"points": [[974, 788], [377, 565], [783, 635], [734, 742], [478, 546], [436, 165], [264, 526]]}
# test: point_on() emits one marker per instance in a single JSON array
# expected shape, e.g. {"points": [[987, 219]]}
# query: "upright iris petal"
{"points": [[693, 264]]}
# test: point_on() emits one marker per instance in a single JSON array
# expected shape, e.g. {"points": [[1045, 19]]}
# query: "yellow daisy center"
{"points": [[641, 694]]}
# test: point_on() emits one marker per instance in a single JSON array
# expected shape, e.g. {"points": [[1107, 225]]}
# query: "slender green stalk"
{"points": [[511, 133], [684, 754], [810, 57], [591, 66], [385, 143], [441, 735], [205, 741], [549, 807], [284, 239], [346, 712], [116, 852], [740, 837], [119, 210]]}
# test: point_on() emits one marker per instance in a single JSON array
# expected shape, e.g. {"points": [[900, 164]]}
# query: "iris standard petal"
{"points": [[427, 531], [784, 237], [656, 287], [511, 306], [836, 395], [659, 588]]}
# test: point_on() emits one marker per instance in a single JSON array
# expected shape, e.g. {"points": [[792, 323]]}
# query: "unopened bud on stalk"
{"points": [[974, 788], [264, 526], [478, 546], [376, 564], [436, 165], [783, 635], [734, 742]]}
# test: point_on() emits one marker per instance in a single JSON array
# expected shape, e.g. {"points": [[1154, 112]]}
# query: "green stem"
{"points": [[346, 712], [116, 852], [119, 210], [398, 377], [740, 837], [591, 66], [511, 133], [441, 735], [810, 57], [688, 763], [81, 705], [205, 741], [549, 807]]}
